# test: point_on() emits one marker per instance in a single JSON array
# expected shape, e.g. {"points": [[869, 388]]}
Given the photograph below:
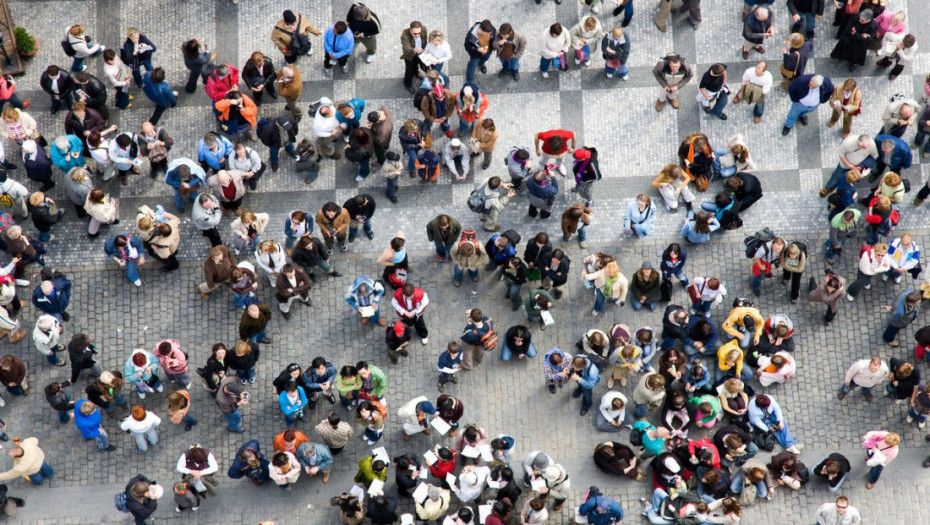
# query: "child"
{"points": [[697, 382], [184, 497], [645, 340], [450, 362], [391, 169], [309, 162], [60, 401]]}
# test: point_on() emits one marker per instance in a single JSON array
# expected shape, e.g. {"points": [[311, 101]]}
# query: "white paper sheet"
{"points": [[376, 488], [470, 452], [430, 457], [440, 425], [421, 492]]}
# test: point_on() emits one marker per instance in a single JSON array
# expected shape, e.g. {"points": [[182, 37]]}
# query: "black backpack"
{"points": [[68, 48], [300, 44], [513, 237], [418, 97], [636, 437], [757, 240]]}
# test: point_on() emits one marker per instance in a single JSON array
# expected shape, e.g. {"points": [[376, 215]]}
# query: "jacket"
{"points": [[62, 159], [270, 131], [754, 30], [368, 27], [806, 6], [161, 93], [208, 157], [428, 106], [252, 77], [128, 53], [173, 179], [408, 44], [618, 290], [176, 360], [46, 341], [217, 87], [663, 74], [828, 515], [289, 407], [901, 156], [435, 234], [418, 303], [214, 184], [590, 375], [29, 463], [150, 421], [279, 476], [474, 263], [640, 287], [903, 258], [612, 514], [366, 474], [871, 264], [646, 220], [429, 510], [140, 509], [65, 83], [165, 247], [620, 48], [542, 193], [138, 374], [357, 152], [339, 224], [58, 301], [249, 326], [517, 44], [215, 274], [88, 425], [472, 43], [76, 127], [290, 89], [735, 321], [240, 469], [247, 110], [283, 284], [282, 39], [338, 45], [375, 289], [860, 374], [800, 87], [311, 256], [757, 415], [538, 256]]}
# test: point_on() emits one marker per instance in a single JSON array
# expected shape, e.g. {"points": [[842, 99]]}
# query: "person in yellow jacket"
{"points": [[730, 361], [743, 321], [28, 462]]}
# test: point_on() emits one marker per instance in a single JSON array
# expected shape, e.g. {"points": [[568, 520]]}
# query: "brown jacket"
{"points": [[282, 40], [383, 130], [302, 288], [214, 273], [340, 224], [292, 88], [570, 224], [18, 246], [249, 326], [486, 141], [428, 106], [855, 101], [407, 44], [15, 374]]}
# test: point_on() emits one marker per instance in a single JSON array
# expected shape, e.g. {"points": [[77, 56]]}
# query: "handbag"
{"points": [[665, 289], [694, 293], [582, 53], [747, 496], [613, 62], [533, 274], [474, 146], [701, 183], [765, 441]]}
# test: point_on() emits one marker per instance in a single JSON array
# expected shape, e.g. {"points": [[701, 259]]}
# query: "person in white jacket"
{"points": [[124, 154], [710, 289], [586, 37], [471, 483], [141, 425], [416, 415], [899, 48], [82, 47], [775, 369], [199, 463], [206, 215], [454, 152], [553, 44], [864, 373], [13, 195], [839, 513], [327, 130], [534, 512], [613, 414], [270, 257], [872, 261], [45, 335], [284, 469]]}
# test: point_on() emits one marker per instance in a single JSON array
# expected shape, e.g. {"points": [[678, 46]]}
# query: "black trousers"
{"points": [[410, 70], [214, 235], [418, 324]]}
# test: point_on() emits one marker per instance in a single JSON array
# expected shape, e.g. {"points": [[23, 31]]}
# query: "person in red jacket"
{"points": [[224, 79], [444, 465], [410, 303]]}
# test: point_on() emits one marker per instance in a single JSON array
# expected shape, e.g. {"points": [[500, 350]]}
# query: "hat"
{"points": [[582, 154], [433, 493], [748, 322], [398, 328], [392, 156], [469, 478], [647, 265], [289, 17], [671, 465], [540, 462], [29, 147], [552, 473], [374, 116], [427, 408], [455, 143], [438, 90]]}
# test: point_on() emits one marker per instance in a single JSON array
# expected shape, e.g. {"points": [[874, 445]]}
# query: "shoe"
{"points": [[137, 282], [626, 22], [745, 55], [16, 337], [757, 292], [577, 393], [244, 381], [577, 61], [921, 425], [674, 103], [885, 278], [188, 427], [483, 68], [516, 75], [110, 448], [868, 398], [266, 341], [328, 72], [850, 298], [803, 120], [926, 462], [823, 192], [424, 340], [562, 169], [659, 105], [61, 362], [450, 134], [841, 395], [551, 389], [238, 431], [343, 246], [760, 49], [359, 178], [661, 27], [274, 166], [545, 74], [785, 130], [411, 89], [141, 395], [584, 412], [722, 116], [329, 251], [795, 449], [867, 287], [909, 419], [853, 67], [345, 68], [368, 60], [370, 235], [286, 315]]}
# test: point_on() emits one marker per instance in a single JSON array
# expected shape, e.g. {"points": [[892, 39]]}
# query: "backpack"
{"points": [[469, 235], [636, 437], [119, 501], [428, 166], [512, 236], [802, 245], [865, 248], [742, 302], [476, 200], [757, 240], [6, 199], [896, 97], [488, 340], [300, 44], [314, 107], [397, 278], [67, 47], [418, 97]]}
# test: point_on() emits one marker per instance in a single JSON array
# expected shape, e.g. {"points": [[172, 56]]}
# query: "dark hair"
{"points": [[81, 77], [361, 137], [487, 26], [397, 243], [124, 140], [110, 54], [447, 403], [558, 254], [348, 371], [157, 76], [333, 419], [164, 348], [541, 238], [466, 513], [505, 29], [52, 70], [378, 465], [555, 142], [361, 365], [494, 182], [471, 433], [555, 29], [340, 27], [409, 289], [280, 459], [402, 462], [190, 49], [722, 199]]}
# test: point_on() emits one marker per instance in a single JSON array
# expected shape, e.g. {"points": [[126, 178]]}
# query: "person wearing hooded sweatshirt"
{"points": [[363, 294], [586, 374]]}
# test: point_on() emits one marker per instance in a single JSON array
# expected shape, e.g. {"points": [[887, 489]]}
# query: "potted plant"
{"points": [[26, 44]]}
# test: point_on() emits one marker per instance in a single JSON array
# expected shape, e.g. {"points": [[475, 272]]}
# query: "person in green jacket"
{"points": [[374, 383], [538, 301], [842, 225], [370, 469], [707, 411]]}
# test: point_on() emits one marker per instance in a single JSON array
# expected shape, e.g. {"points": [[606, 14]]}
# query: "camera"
{"points": [[245, 396]]}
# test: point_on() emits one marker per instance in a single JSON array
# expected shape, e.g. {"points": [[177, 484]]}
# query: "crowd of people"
{"points": [[696, 424]]}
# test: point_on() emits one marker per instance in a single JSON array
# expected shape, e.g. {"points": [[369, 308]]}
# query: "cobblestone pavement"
{"points": [[617, 117]]}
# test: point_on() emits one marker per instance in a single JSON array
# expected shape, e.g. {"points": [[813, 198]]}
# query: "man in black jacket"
{"points": [[538, 252], [746, 188], [365, 25], [674, 326], [310, 252], [360, 208], [91, 91], [279, 133], [59, 85], [138, 500], [259, 76], [478, 44], [555, 274]]}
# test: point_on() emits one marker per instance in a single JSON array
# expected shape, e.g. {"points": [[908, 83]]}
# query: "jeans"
{"points": [[866, 390], [101, 439], [751, 450], [890, 333], [444, 249], [511, 65], [874, 473], [144, 438], [189, 420], [507, 354], [758, 109], [391, 190], [120, 400], [458, 273], [291, 419], [79, 61], [239, 299], [797, 110], [627, 11], [137, 72], [234, 420], [804, 25], [652, 510], [179, 199], [258, 338], [725, 172], [544, 63], [473, 64], [132, 271], [736, 486], [45, 471], [585, 396], [640, 411], [600, 300], [411, 159], [708, 353], [353, 228], [465, 127], [195, 73], [745, 374], [516, 300], [67, 99], [639, 306], [622, 70], [122, 97], [63, 416], [719, 104], [795, 280], [348, 399], [247, 374], [918, 138], [582, 233], [428, 126], [273, 154], [16, 102], [702, 307]]}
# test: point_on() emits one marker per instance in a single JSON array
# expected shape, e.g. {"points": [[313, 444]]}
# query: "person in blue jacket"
{"points": [[292, 401], [893, 154], [159, 91], [315, 458], [586, 374], [338, 44], [640, 217], [249, 463], [365, 292], [697, 230], [350, 114], [67, 152], [212, 151], [183, 172], [127, 251], [806, 92], [601, 510], [320, 378], [87, 420], [52, 297]]}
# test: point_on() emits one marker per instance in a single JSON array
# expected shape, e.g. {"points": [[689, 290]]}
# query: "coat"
{"points": [[165, 247], [283, 285], [215, 274], [408, 44], [29, 463], [214, 184], [281, 39], [248, 110], [339, 225], [800, 87], [646, 220], [338, 45], [253, 78], [292, 88], [160, 93], [217, 87], [429, 103], [56, 303], [853, 45], [92, 122], [62, 159], [619, 288]]}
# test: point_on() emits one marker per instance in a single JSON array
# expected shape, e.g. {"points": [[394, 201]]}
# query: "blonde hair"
{"points": [[268, 247], [670, 173], [242, 348], [78, 174], [590, 23], [11, 114], [435, 33], [892, 439], [795, 40], [880, 248], [76, 30], [37, 198], [247, 216], [132, 32], [612, 269]]}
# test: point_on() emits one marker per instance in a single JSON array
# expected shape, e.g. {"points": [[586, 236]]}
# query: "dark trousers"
{"points": [[191, 85], [410, 70], [861, 281], [156, 115], [328, 64], [419, 325], [269, 88], [795, 278], [380, 151], [543, 214]]}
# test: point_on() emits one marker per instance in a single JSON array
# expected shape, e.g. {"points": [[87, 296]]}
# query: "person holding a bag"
{"points": [[713, 91], [553, 45], [615, 48], [766, 417], [881, 448], [584, 38], [141, 370], [291, 36], [155, 143], [757, 82], [477, 337]]}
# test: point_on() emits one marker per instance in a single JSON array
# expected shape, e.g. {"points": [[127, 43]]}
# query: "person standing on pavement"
{"points": [[290, 87], [361, 208], [334, 432], [551, 147], [365, 26], [586, 374], [413, 42], [873, 260], [494, 202], [197, 58], [757, 26], [906, 309], [509, 46], [173, 361], [467, 256], [28, 462], [807, 92], [338, 45], [141, 425], [839, 513], [672, 73], [410, 304], [476, 336], [136, 52], [217, 268], [291, 35], [443, 232], [230, 396], [713, 90], [397, 337], [554, 44], [864, 373], [333, 221], [140, 494], [253, 323], [292, 283], [87, 420], [159, 92], [846, 101], [382, 129], [881, 448], [179, 404], [258, 75], [478, 45]]}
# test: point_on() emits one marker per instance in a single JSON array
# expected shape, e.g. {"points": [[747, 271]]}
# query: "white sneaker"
{"points": [[562, 169], [610, 75], [345, 68], [328, 72], [850, 298], [885, 277], [160, 388], [624, 77], [909, 419], [587, 63], [359, 178], [545, 74], [897, 279], [577, 61], [425, 340], [22, 282], [2, 402], [137, 282], [794, 450], [867, 287], [369, 59], [921, 425], [141, 395], [595, 9]]}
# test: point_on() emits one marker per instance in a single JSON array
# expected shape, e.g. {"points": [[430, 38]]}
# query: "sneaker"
{"points": [[562, 169], [369, 59], [424, 340], [442, 388], [359, 178], [345, 68], [841, 395], [868, 398], [624, 77], [867, 287], [545, 74], [894, 343], [897, 279], [343, 246], [110, 448], [160, 388], [795, 449], [551, 389], [328, 72], [921, 425], [850, 298], [577, 61], [22, 282], [909, 419], [885, 277], [137, 282], [141, 395], [610, 75], [177, 509]]}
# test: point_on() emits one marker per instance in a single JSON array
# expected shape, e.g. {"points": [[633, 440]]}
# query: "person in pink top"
{"points": [[881, 448], [174, 361]]}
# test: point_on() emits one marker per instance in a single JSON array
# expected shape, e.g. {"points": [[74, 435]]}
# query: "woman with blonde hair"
{"points": [[609, 284], [881, 448], [136, 52], [243, 359], [20, 126], [892, 186], [640, 217], [270, 257], [878, 218], [248, 229], [734, 401], [795, 56], [623, 362], [82, 46], [672, 182], [102, 208], [439, 48], [77, 186], [586, 36]]}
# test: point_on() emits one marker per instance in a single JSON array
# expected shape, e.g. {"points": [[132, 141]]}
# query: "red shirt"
{"points": [[441, 468], [565, 134]]}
